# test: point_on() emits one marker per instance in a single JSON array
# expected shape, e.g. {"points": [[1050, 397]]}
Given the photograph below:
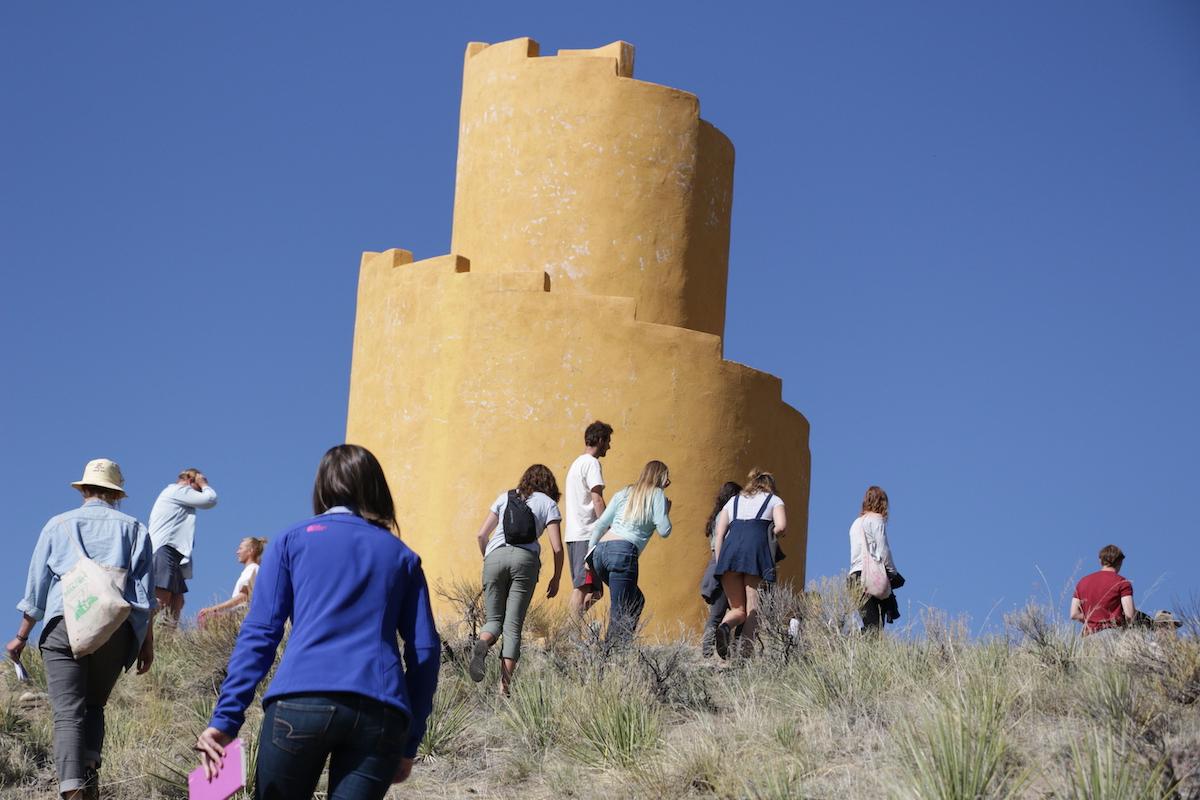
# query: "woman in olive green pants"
{"points": [[510, 570]]}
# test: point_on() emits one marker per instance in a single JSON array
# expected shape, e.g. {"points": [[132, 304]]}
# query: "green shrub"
{"points": [[449, 720], [961, 750], [615, 724], [1101, 769], [531, 714]]}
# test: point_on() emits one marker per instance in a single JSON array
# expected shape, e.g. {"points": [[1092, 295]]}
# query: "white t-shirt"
{"points": [[747, 507], [583, 476], [544, 511], [246, 579]]}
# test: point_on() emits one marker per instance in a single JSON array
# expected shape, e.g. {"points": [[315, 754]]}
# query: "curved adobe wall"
{"points": [[610, 185], [457, 402], [587, 281]]}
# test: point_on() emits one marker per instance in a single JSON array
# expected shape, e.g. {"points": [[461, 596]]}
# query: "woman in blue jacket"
{"points": [[348, 585]]}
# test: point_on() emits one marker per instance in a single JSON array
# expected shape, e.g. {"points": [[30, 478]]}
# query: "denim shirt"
{"points": [[108, 537]]}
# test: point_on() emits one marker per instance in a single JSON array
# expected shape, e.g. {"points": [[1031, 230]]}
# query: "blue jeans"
{"points": [[616, 564], [362, 738]]}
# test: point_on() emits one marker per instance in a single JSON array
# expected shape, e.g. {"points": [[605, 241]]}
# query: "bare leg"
{"points": [[734, 584], [578, 602], [752, 606], [507, 667]]}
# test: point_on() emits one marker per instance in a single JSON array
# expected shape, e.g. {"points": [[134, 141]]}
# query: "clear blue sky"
{"points": [[965, 235]]}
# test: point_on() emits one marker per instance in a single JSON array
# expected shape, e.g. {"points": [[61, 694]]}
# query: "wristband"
{"points": [[23, 638]]}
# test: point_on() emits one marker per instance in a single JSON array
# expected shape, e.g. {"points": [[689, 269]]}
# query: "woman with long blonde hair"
{"points": [[619, 537], [249, 554], [745, 557]]}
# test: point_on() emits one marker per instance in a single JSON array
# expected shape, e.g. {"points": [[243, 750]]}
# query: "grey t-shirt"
{"points": [[544, 511]]}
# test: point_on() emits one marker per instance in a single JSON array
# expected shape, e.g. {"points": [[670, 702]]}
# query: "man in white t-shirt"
{"points": [[584, 505]]}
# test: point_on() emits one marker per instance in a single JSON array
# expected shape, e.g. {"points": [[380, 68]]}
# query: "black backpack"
{"points": [[519, 524]]}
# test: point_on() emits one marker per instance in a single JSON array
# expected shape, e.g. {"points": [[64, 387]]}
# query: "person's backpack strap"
{"points": [[764, 507], [735, 499]]}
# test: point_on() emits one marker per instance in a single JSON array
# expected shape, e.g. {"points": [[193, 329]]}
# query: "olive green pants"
{"points": [[509, 577]]}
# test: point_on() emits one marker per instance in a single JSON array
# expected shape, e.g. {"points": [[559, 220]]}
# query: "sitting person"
{"points": [[1104, 600], [249, 552]]}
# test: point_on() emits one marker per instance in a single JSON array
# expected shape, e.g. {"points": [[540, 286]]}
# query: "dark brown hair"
{"points": [[728, 490], [538, 478], [349, 475], [875, 500], [597, 434], [1111, 556]]}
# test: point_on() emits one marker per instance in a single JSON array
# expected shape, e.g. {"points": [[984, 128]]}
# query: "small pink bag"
{"points": [[874, 575]]}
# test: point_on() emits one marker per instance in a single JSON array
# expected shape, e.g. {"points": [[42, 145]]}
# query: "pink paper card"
{"points": [[228, 782]]}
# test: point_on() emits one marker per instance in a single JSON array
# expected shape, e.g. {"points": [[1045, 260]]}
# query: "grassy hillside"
{"points": [[1034, 713]]}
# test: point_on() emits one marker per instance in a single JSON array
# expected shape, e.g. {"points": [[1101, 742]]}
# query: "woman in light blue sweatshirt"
{"points": [[619, 537]]}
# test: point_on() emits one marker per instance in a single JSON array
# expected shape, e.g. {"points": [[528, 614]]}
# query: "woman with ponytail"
{"points": [[619, 537], [249, 553], [745, 557]]}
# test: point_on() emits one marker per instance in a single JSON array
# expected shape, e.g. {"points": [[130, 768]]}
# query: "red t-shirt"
{"points": [[1099, 595]]}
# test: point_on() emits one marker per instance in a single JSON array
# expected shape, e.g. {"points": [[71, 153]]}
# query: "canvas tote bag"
{"points": [[874, 576], [94, 605]]}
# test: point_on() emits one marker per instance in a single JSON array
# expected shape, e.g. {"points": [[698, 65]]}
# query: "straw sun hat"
{"points": [[103, 473]]}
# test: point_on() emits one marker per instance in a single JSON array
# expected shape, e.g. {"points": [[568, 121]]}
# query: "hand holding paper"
{"points": [[222, 773]]}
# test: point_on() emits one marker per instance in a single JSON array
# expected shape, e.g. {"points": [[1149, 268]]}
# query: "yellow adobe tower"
{"points": [[586, 281]]}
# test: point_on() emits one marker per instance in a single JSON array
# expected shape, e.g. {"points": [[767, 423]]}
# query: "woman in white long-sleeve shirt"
{"points": [[870, 528]]}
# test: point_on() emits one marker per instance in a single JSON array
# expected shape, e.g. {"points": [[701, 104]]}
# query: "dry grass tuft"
{"points": [[1035, 712]]}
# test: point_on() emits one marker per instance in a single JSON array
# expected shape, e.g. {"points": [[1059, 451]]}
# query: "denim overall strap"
{"points": [[761, 510]]}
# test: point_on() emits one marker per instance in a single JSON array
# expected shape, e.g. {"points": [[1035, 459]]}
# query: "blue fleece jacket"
{"points": [[348, 587]]}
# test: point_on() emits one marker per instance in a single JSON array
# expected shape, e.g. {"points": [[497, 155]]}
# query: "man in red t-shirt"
{"points": [[1104, 599]]}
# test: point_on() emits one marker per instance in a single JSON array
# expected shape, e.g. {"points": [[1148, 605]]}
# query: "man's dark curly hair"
{"points": [[597, 434]]}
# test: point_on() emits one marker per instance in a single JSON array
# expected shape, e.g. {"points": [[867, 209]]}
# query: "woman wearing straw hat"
{"points": [[79, 687]]}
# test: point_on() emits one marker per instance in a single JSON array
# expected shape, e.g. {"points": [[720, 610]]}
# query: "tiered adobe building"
{"points": [[586, 280]]}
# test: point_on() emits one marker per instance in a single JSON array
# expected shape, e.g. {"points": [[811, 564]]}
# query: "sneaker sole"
{"points": [[722, 641], [478, 654]]}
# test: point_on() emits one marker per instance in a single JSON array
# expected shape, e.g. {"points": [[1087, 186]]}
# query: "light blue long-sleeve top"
{"points": [[107, 537], [634, 533], [173, 519]]}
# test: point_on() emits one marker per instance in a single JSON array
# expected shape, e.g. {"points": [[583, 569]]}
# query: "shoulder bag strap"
{"points": [[77, 540]]}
